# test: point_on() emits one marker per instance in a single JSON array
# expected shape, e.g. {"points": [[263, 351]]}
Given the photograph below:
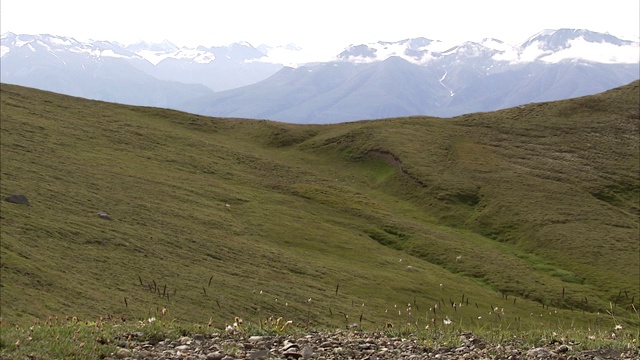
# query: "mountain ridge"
{"points": [[245, 81]]}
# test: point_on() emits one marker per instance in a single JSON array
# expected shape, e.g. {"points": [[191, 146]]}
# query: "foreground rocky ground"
{"points": [[347, 345]]}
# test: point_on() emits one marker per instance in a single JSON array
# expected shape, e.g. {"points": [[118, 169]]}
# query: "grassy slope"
{"points": [[534, 200]]}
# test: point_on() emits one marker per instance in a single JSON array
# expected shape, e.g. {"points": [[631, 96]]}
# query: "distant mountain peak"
{"points": [[242, 43], [558, 39], [575, 45], [165, 45]]}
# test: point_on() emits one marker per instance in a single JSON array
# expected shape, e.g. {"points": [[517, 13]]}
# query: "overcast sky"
{"points": [[323, 25]]}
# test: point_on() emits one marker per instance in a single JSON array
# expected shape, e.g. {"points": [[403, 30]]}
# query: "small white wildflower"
{"points": [[151, 320], [479, 317], [447, 321], [618, 327]]}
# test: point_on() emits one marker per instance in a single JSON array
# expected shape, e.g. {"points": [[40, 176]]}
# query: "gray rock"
{"points": [[290, 346], [105, 216], [215, 356], [307, 352], [17, 199], [292, 354], [259, 354], [123, 353], [254, 339], [538, 353]]}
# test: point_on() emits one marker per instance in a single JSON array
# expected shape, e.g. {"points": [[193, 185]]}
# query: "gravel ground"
{"points": [[345, 345]]}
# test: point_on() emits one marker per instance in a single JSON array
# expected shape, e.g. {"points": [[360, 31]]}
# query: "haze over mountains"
{"points": [[367, 81]]}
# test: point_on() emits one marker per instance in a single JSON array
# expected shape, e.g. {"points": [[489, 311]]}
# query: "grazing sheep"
{"points": [[458, 258]]}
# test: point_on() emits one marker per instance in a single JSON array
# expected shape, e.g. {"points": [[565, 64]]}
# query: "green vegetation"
{"points": [[72, 339], [531, 210]]}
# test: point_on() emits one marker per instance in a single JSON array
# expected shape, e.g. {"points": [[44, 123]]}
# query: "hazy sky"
{"points": [[326, 24]]}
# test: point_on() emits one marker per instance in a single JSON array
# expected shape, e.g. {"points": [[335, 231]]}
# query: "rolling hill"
{"points": [[532, 210]]}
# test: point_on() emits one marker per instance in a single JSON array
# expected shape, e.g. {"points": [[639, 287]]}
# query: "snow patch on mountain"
{"points": [[575, 49], [418, 51], [60, 41], [548, 46], [604, 53], [291, 55], [107, 53], [198, 56]]}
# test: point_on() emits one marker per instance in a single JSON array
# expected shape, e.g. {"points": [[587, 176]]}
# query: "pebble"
{"points": [[123, 353], [343, 345]]}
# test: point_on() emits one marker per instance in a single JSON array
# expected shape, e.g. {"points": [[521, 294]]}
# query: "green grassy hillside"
{"points": [[531, 210]]}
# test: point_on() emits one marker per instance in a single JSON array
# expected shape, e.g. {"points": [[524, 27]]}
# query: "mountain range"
{"points": [[416, 76]]}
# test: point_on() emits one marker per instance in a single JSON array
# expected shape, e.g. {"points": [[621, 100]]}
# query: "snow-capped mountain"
{"points": [[418, 76], [218, 68], [98, 70], [427, 77], [549, 46]]}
